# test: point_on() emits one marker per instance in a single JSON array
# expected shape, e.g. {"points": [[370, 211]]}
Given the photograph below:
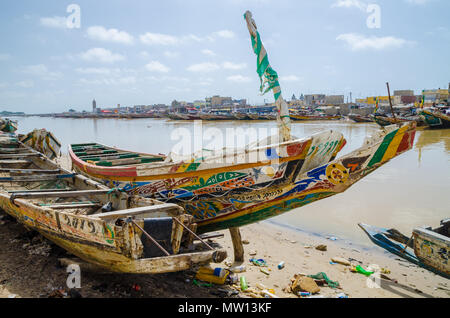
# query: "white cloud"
{"points": [[109, 35], [350, 4], [290, 78], [54, 22], [155, 66], [25, 84], [159, 39], [239, 79], [418, 2], [93, 70], [233, 66], [150, 38], [227, 34], [109, 81], [208, 52], [40, 70], [204, 67], [4, 57], [360, 42], [171, 54], [101, 55]]}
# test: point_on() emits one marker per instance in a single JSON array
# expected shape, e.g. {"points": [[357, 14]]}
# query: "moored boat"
{"points": [[430, 247], [297, 117], [103, 226], [435, 119], [8, 125], [360, 119]]}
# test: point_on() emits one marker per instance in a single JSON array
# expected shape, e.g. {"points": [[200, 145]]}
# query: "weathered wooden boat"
{"points": [[289, 175], [314, 117], [43, 141], [241, 116], [431, 247], [103, 226], [8, 125], [360, 119], [178, 116], [384, 120], [235, 187], [435, 119], [215, 116]]}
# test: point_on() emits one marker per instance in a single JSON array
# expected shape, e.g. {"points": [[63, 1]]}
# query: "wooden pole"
{"points": [[390, 102], [237, 244]]}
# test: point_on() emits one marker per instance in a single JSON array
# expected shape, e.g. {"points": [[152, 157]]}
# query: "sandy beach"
{"points": [[30, 268]]}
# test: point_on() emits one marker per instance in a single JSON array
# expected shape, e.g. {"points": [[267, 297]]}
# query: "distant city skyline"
{"points": [[144, 53]]}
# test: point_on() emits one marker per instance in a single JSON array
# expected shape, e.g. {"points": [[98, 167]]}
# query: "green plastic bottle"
{"points": [[361, 270], [244, 285]]}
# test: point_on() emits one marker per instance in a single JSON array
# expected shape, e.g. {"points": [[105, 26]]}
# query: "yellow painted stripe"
{"points": [[392, 149]]}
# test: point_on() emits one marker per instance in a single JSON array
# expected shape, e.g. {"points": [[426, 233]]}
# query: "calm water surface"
{"points": [[411, 190]]}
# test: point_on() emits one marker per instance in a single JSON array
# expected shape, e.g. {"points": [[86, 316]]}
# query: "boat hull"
{"points": [[263, 191], [436, 120], [431, 249], [308, 117]]}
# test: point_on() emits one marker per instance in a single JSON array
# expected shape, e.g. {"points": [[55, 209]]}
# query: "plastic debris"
{"points": [[361, 270], [263, 270], [258, 262], [281, 265], [341, 295], [244, 285], [322, 275]]}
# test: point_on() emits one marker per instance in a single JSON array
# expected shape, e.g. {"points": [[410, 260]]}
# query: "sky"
{"points": [[56, 55]]}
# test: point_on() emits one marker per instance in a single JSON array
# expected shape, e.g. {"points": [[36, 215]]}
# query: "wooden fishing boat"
{"points": [[8, 125], [215, 116], [435, 119], [431, 247], [103, 226], [360, 119], [241, 116], [230, 188], [384, 120], [219, 196], [314, 117], [178, 116], [43, 141]]}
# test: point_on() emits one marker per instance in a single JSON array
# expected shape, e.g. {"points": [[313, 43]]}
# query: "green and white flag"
{"points": [[269, 79]]}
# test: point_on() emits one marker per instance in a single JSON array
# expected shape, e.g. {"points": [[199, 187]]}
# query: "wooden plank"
{"points": [[22, 155], [15, 170], [71, 205], [13, 162], [237, 244], [39, 191], [37, 178], [59, 194], [137, 211]]}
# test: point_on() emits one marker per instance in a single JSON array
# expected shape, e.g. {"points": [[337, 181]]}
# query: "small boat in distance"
{"points": [[431, 247], [360, 118], [435, 119]]}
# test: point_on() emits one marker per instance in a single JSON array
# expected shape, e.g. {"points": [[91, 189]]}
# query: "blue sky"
{"points": [[146, 52]]}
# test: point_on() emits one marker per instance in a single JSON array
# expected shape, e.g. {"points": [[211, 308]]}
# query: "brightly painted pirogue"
{"points": [[241, 186], [431, 246], [7, 125], [435, 119], [291, 175], [103, 226]]}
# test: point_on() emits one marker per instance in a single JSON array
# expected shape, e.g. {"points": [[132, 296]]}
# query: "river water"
{"points": [[411, 190]]}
